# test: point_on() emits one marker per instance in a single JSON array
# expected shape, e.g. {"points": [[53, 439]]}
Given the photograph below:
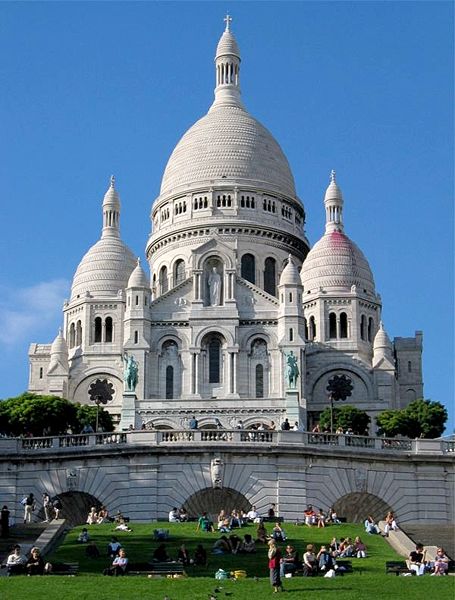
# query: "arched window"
{"points": [[312, 329], [214, 360], [163, 280], [248, 269], [109, 329], [343, 325], [370, 329], [270, 276], [169, 382], [305, 324], [79, 333], [259, 381], [179, 271], [363, 327], [332, 326], [136, 337], [72, 336], [98, 329]]}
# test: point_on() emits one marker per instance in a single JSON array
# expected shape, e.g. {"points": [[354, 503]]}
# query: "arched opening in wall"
{"points": [[312, 329], [305, 325], [76, 506], [355, 507], [363, 328], [259, 381], [270, 276], [248, 268], [169, 382], [410, 396], [109, 328], [98, 329], [213, 500], [332, 326], [163, 280], [370, 329], [79, 333], [214, 349], [343, 325], [179, 272], [72, 336]]}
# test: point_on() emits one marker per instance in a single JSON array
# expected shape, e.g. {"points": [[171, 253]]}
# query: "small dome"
{"points": [[138, 278], [333, 191], [111, 197], [104, 270], [59, 346], [227, 45], [228, 144], [382, 340], [290, 274], [336, 262]]}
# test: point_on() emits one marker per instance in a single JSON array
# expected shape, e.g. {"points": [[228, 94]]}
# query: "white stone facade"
{"points": [[233, 289]]}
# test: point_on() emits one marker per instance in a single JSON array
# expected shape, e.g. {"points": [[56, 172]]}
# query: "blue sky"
{"points": [[95, 88]]}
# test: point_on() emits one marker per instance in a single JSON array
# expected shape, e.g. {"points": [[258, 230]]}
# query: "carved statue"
{"points": [[130, 373], [292, 370], [216, 471], [214, 287]]}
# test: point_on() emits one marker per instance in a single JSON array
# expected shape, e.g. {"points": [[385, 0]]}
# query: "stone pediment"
{"points": [[251, 299], [217, 245], [175, 300]]}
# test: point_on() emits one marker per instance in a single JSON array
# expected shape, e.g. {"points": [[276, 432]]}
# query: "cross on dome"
{"points": [[333, 176], [112, 181], [228, 20]]}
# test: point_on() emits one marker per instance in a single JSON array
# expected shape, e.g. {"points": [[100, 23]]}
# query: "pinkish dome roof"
{"points": [[335, 262]]}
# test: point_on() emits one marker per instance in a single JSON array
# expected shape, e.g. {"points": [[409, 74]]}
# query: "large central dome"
{"points": [[228, 143]]}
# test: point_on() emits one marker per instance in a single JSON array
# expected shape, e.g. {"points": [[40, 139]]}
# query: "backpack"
{"points": [[24, 501], [221, 574]]}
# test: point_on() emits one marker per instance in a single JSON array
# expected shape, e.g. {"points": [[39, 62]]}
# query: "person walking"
{"points": [[29, 507]]}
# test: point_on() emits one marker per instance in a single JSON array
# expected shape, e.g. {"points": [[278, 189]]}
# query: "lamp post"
{"points": [[98, 400], [331, 412], [101, 392]]}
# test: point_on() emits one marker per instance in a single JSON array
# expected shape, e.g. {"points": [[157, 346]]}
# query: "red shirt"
{"points": [[274, 562]]}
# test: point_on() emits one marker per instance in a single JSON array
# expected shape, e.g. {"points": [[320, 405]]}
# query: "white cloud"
{"points": [[26, 311]]}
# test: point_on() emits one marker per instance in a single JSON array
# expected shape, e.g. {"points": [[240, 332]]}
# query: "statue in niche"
{"points": [[130, 373], [216, 471], [170, 350], [292, 370], [259, 349], [214, 283]]}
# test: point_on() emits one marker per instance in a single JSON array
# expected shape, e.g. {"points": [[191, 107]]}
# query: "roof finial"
{"points": [[333, 176], [228, 20], [112, 181]]}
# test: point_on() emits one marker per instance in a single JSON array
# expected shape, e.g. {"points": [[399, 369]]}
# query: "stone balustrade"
{"points": [[229, 437]]}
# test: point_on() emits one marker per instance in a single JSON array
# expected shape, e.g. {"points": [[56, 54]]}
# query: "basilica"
{"points": [[232, 316]]}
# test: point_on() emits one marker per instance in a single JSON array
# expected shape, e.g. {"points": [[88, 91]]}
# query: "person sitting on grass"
{"points": [[441, 562], [335, 547], [325, 559], [221, 546], [161, 555], [200, 556], [248, 545], [204, 523], [346, 547], [278, 533], [371, 525], [261, 534], [235, 543], [310, 516], [360, 550], [390, 523], [83, 537], [103, 515], [310, 565], [92, 516], [119, 565], [174, 515], [16, 561], [183, 555], [183, 515], [113, 547], [416, 561], [35, 564], [321, 518], [92, 550], [290, 561]]}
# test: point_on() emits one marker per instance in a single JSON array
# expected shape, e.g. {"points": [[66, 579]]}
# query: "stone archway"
{"points": [[213, 500], [76, 506], [355, 507]]}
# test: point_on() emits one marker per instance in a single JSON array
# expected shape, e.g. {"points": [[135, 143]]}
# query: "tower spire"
{"points": [[227, 68], [333, 201], [111, 211]]}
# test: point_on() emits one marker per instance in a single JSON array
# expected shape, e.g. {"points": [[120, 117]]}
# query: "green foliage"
{"points": [[346, 417], [421, 418], [47, 415]]}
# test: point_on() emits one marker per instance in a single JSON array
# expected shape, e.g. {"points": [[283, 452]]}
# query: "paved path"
{"points": [[433, 535]]}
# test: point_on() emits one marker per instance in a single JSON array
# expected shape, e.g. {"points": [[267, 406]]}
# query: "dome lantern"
{"points": [[333, 202], [227, 68], [111, 211]]}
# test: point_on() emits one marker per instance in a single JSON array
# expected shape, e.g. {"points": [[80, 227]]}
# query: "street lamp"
{"points": [[101, 392], [340, 387]]}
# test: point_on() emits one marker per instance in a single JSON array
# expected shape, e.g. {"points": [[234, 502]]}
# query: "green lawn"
{"points": [[368, 580]]}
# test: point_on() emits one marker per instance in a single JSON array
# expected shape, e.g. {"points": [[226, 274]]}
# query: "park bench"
{"points": [[156, 568], [70, 569], [273, 519], [396, 567]]}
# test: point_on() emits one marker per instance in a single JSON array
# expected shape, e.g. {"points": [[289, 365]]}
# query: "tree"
{"points": [[47, 415], [421, 418], [346, 417]]}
